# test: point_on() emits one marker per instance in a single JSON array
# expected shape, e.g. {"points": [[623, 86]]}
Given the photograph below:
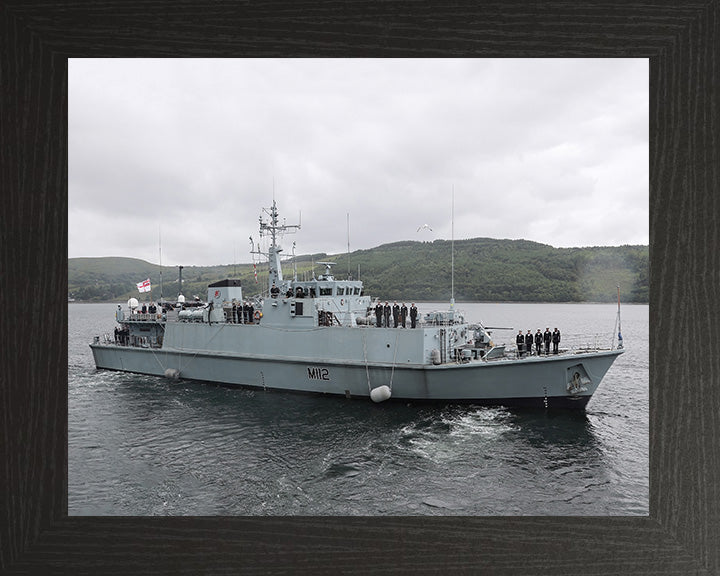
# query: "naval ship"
{"points": [[321, 336]]}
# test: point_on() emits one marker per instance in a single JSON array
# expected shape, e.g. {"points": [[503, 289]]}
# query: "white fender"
{"points": [[172, 373], [380, 394]]}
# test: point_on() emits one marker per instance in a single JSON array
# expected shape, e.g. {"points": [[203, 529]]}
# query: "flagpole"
{"points": [[452, 250], [620, 338], [160, 251]]}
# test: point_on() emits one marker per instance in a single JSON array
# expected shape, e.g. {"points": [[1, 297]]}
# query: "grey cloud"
{"points": [[196, 148]]}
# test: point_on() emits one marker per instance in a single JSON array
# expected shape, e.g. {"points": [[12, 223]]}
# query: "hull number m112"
{"points": [[315, 373]]}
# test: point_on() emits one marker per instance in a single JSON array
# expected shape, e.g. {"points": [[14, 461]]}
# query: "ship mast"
{"points": [[274, 229]]}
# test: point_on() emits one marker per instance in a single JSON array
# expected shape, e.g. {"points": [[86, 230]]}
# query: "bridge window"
{"points": [[340, 291], [325, 291], [357, 291]]}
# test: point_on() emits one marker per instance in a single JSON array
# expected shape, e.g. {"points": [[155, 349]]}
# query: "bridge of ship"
{"points": [[325, 287]]}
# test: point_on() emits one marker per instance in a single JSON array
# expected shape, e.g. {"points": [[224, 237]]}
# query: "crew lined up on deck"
{"points": [[542, 342], [146, 308], [399, 315], [242, 313]]}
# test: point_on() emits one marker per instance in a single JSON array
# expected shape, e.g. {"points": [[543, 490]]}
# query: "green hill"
{"points": [[485, 270]]}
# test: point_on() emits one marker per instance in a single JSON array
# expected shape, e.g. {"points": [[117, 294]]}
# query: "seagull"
{"points": [[423, 227]]}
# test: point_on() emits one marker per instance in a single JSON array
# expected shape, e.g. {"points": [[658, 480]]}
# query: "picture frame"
{"points": [[681, 535]]}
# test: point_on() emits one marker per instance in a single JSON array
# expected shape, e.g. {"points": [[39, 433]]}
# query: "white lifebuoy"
{"points": [[342, 301], [258, 315]]}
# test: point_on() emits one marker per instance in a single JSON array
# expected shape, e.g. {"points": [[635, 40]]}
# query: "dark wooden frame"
{"points": [[681, 534]]}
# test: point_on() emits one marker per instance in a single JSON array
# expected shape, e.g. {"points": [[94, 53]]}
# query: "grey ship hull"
{"points": [[315, 336], [249, 356]]}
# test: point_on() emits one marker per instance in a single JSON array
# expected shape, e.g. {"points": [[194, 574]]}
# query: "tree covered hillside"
{"points": [[485, 270]]}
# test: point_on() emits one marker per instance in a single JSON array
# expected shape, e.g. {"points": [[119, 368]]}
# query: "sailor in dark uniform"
{"points": [[117, 332], [144, 308], [538, 342], [386, 311], [379, 314], [396, 314], [274, 291], [403, 314], [520, 342], [251, 311], [555, 340], [528, 342], [547, 337], [413, 315]]}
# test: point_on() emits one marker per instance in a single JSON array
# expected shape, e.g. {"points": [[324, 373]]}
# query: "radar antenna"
{"points": [[328, 270]]}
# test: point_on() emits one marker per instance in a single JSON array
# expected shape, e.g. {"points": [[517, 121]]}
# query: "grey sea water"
{"points": [[141, 445]]}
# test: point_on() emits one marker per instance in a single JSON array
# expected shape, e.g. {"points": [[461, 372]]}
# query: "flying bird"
{"points": [[423, 227]]}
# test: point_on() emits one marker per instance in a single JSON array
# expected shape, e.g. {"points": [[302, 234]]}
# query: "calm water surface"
{"points": [[141, 445]]}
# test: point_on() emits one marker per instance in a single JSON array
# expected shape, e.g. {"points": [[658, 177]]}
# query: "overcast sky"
{"points": [[554, 151]]}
